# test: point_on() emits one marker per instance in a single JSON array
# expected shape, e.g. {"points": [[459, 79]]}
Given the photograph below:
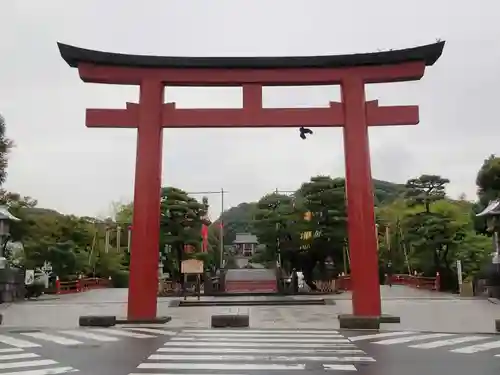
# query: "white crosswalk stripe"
{"points": [[452, 342], [197, 352], [122, 332], [53, 338], [155, 331], [90, 335], [75, 337], [12, 341], [18, 362], [401, 340]]}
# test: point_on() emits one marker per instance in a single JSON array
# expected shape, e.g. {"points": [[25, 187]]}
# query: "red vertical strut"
{"points": [[360, 201], [144, 257]]}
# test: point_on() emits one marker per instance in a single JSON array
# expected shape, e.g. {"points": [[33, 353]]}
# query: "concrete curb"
{"points": [[277, 302], [97, 321], [230, 321], [157, 320], [330, 301]]}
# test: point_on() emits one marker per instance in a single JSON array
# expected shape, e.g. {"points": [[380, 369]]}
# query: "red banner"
{"points": [[204, 236]]}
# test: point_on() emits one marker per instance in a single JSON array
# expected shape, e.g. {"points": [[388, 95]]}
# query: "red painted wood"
{"points": [[144, 256], [253, 115], [360, 202], [236, 77], [151, 115]]}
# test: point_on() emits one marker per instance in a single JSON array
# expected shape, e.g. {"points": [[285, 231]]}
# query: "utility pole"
{"points": [[221, 228]]}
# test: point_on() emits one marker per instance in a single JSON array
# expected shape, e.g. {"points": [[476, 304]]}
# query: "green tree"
{"points": [[488, 180], [425, 190], [275, 224], [488, 184], [180, 225], [324, 197], [238, 219]]}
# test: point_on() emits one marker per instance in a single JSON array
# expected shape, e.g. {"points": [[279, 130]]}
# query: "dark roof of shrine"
{"points": [[427, 53]]}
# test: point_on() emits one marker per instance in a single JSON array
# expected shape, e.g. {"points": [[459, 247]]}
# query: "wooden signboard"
{"points": [[192, 266]]}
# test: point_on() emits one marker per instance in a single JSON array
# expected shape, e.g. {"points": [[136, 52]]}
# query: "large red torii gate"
{"points": [[151, 115]]}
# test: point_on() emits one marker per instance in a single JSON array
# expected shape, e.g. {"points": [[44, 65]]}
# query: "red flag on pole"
{"points": [[204, 236]]}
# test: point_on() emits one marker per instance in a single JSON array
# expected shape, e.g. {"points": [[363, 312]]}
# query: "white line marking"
{"points": [[89, 335], [18, 343], [244, 330], [222, 366], [176, 373], [40, 362], [252, 350], [47, 371], [333, 344], [198, 357], [340, 368], [152, 330], [52, 338], [440, 343], [402, 340], [119, 332], [478, 347], [7, 357], [236, 339], [380, 335], [10, 350], [257, 335]]}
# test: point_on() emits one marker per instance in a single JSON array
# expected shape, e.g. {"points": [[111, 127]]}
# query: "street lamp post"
{"points": [[5, 218]]}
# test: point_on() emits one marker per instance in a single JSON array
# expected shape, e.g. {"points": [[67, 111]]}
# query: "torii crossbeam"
{"points": [[151, 115]]}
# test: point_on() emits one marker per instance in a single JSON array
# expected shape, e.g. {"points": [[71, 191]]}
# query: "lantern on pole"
{"points": [[129, 239], [118, 238], [106, 240], [5, 218]]}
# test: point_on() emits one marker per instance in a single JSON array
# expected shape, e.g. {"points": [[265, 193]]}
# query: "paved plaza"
{"points": [[419, 310], [438, 333]]}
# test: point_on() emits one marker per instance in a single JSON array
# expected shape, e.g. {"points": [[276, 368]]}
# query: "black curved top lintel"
{"points": [[428, 54]]}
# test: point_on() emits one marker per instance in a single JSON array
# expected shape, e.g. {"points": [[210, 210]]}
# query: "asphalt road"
{"points": [[160, 350]]}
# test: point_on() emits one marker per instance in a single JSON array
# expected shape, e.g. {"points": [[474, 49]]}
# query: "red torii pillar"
{"points": [[151, 115]]}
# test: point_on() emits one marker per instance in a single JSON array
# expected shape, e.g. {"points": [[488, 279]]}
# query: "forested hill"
{"points": [[239, 219]]}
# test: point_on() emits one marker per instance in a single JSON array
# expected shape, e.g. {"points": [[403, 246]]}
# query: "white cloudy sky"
{"points": [[78, 170]]}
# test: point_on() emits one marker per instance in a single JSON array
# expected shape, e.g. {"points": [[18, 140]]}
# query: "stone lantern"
{"points": [[5, 218], [492, 213]]}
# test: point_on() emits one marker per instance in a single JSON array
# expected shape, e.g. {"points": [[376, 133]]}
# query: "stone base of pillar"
{"points": [[97, 321], [385, 318], [349, 321]]}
